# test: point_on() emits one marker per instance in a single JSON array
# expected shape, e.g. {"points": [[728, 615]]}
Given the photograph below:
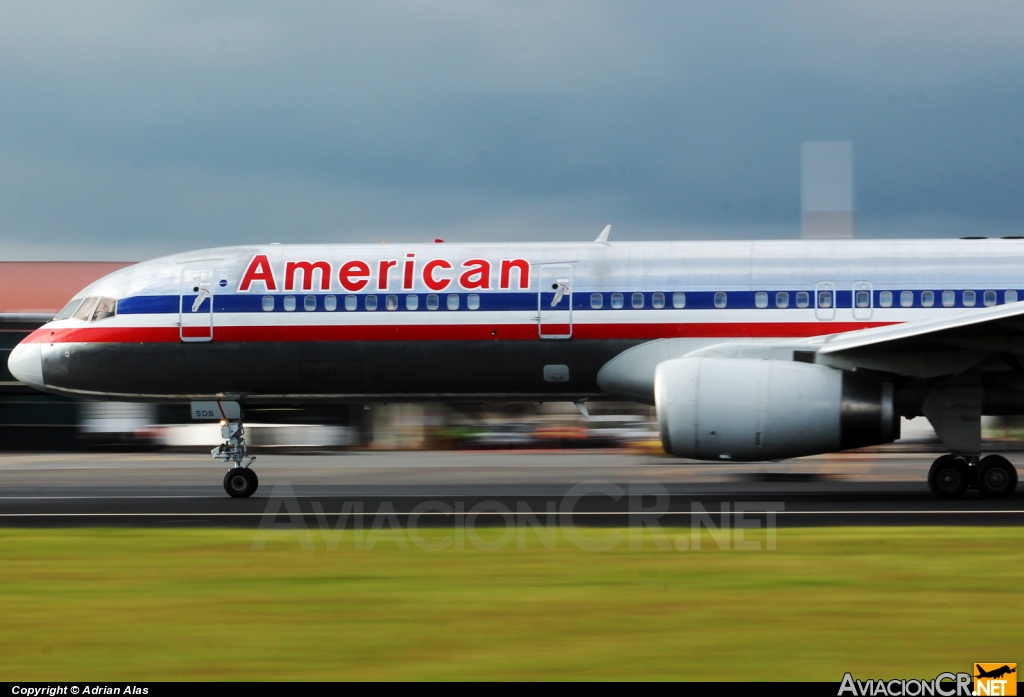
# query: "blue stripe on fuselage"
{"points": [[525, 301]]}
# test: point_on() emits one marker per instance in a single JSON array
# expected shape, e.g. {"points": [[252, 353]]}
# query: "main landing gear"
{"points": [[951, 475], [240, 481]]}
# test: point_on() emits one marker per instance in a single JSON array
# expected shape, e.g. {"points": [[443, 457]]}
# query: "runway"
{"points": [[586, 487]]}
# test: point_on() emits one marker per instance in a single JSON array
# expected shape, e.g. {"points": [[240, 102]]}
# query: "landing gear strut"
{"points": [[951, 475], [240, 481]]}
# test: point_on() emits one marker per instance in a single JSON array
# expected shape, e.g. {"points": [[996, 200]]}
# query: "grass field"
{"points": [[135, 604]]}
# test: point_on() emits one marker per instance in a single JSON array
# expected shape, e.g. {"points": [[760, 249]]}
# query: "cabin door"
{"points": [[195, 310], [555, 301]]}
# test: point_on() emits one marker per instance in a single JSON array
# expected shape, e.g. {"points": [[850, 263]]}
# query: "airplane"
{"points": [[995, 673], [749, 350]]}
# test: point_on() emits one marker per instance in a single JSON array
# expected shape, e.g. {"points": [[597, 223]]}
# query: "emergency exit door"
{"points": [[863, 300], [825, 300]]}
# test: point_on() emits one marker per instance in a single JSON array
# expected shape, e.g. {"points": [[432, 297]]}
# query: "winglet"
{"points": [[603, 237]]}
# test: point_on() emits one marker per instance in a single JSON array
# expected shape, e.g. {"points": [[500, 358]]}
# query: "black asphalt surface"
{"points": [[437, 488]]}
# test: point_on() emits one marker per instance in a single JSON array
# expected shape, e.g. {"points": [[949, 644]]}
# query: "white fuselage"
{"points": [[479, 321]]}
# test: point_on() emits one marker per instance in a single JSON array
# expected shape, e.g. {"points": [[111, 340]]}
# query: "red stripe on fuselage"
{"points": [[719, 330], [105, 335], [452, 332]]}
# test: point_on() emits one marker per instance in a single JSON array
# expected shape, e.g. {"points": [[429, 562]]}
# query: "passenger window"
{"points": [[432, 302], [658, 301], [989, 298], [825, 299], [453, 302], [907, 298], [268, 303], [330, 303], [70, 308], [948, 298], [863, 298], [412, 302], [107, 307], [969, 298], [679, 300], [371, 303], [616, 301], [473, 301], [309, 303], [803, 299], [761, 299], [596, 301], [721, 300], [289, 303], [391, 302], [782, 299], [927, 298], [84, 311], [1010, 296], [885, 298], [351, 303], [638, 301]]}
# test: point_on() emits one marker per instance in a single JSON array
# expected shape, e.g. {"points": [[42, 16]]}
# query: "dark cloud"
{"points": [[129, 129]]}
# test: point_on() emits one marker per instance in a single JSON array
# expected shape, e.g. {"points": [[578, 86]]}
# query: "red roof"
{"points": [[44, 287]]}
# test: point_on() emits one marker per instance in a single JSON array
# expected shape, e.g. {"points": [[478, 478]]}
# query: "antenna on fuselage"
{"points": [[603, 237]]}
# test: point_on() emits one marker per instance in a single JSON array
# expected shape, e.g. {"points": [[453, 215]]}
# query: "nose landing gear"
{"points": [[951, 475], [240, 481]]}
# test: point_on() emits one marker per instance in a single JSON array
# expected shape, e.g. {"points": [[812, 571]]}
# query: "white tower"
{"points": [[826, 189]]}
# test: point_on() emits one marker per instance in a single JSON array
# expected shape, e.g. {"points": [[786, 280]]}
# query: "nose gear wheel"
{"points": [[241, 482]]}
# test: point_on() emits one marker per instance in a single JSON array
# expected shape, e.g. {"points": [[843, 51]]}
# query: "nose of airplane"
{"points": [[26, 364]]}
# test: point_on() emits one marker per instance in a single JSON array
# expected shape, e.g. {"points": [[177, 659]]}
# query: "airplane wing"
{"points": [[931, 348], [975, 326]]}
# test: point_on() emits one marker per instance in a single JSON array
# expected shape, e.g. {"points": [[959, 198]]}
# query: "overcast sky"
{"points": [[129, 130]]}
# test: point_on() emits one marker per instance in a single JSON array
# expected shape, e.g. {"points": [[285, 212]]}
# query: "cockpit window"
{"points": [[68, 310], [107, 307], [84, 311]]}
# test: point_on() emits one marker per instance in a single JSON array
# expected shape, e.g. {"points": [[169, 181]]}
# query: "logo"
{"points": [[943, 685], [995, 679]]}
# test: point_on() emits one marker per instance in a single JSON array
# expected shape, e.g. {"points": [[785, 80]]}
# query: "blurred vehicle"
{"points": [[260, 435], [503, 436], [105, 424]]}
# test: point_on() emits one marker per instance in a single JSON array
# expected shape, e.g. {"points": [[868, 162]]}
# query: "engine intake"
{"points": [[754, 409]]}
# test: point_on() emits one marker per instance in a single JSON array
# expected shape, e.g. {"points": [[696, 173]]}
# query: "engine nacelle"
{"points": [[755, 409]]}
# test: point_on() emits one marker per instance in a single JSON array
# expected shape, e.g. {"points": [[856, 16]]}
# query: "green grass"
{"points": [[136, 604]]}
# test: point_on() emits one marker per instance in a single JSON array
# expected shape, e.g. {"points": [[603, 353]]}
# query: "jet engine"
{"points": [[757, 409]]}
